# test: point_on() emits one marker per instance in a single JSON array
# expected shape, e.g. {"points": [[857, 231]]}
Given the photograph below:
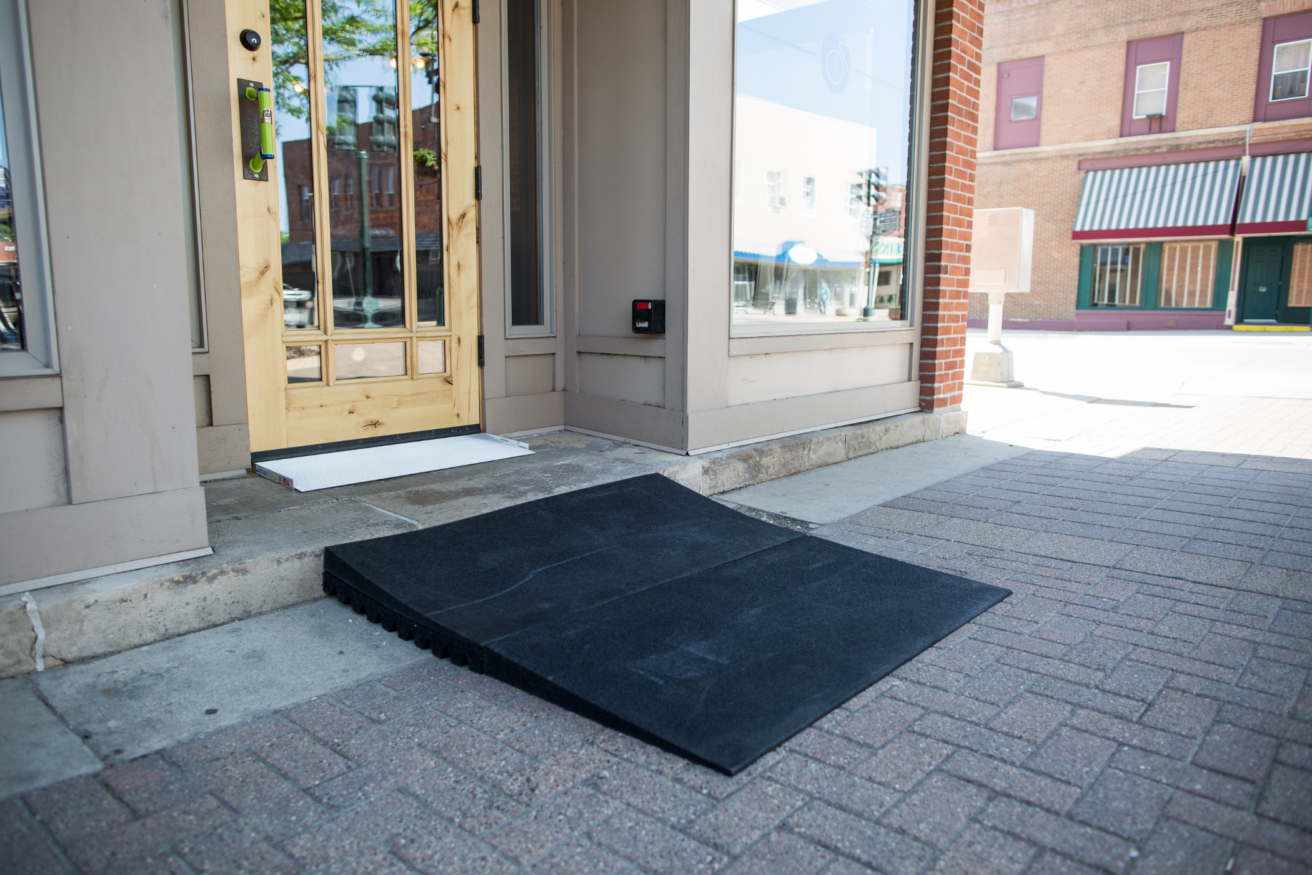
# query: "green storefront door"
{"points": [[1262, 281]]}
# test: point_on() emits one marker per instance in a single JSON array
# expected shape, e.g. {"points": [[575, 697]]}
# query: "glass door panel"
{"points": [[364, 166], [293, 164], [427, 126]]}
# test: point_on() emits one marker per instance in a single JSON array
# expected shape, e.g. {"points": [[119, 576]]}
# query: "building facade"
{"points": [[1166, 150], [313, 225]]}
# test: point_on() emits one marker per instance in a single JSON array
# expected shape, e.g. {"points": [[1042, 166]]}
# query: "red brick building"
{"points": [[1166, 149]]}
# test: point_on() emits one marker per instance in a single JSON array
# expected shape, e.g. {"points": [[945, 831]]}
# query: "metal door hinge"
{"points": [[481, 360], [478, 183], [476, 12]]}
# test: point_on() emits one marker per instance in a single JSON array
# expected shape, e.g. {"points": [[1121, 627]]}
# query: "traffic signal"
{"points": [[342, 131], [383, 137], [876, 181]]}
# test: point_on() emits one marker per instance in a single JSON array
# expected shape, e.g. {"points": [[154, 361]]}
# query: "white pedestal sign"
{"points": [[1001, 253]]}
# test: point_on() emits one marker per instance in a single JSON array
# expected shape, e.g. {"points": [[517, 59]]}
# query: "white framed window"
{"points": [[808, 195], [856, 201], [1024, 109], [1150, 84], [1188, 274], [1118, 275], [27, 343], [1290, 69], [776, 198]]}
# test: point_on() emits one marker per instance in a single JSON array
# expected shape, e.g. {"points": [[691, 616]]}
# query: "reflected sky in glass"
{"points": [[821, 130]]}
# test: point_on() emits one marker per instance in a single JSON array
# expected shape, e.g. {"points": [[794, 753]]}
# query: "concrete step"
{"points": [[268, 541]]}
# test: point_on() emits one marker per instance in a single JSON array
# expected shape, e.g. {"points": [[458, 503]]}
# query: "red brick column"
{"points": [[953, 131]]}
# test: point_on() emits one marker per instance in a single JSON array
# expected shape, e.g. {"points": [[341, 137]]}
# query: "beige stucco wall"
{"points": [[223, 445], [124, 408], [642, 135]]}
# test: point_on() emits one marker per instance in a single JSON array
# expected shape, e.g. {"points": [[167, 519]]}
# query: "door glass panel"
{"points": [[291, 113], [364, 166], [304, 364], [427, 122], [432, 356], [357, 360]]}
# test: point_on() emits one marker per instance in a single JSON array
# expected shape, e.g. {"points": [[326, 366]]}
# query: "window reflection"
{"points": [[432, 356], [304, 364], [291, 97], [364, 166], [11, 294], [425, 109], [355, 361], [821, 137]]}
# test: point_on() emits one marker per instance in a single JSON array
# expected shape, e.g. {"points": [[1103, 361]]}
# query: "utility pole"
{"points": [[876, 194]]}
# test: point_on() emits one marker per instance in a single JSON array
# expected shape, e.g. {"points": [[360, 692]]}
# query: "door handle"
{"points": [[263, 98], [255, 114]]}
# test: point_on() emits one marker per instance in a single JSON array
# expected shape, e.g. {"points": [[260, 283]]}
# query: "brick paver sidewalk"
{"points": [[1139, 705]]}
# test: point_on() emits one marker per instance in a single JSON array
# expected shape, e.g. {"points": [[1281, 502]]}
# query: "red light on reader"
{"points": [[643, 305]]}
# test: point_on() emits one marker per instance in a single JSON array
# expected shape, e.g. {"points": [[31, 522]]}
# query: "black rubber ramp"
{"points": [[653, 610]]}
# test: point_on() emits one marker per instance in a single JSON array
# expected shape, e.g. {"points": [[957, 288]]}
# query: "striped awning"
{"points": [[1277, 196], [1170, 200]]}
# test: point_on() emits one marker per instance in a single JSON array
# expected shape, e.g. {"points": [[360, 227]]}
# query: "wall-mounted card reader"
{"points": [[649, 316]]}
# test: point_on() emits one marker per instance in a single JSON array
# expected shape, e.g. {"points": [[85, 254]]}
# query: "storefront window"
{"points": [[822, 122], [26, 331], [1300, 276], [1188, 274], [11, 288], [1117, 275]]}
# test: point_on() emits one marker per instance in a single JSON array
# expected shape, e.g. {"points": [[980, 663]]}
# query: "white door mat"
{"points": [[326, 470]]}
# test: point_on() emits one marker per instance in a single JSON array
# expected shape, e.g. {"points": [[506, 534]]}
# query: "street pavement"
{"points": [[1138, 705]]}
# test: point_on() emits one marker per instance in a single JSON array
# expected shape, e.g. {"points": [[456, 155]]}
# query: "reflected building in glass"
{"points": [[821, 129], [11, 294]]}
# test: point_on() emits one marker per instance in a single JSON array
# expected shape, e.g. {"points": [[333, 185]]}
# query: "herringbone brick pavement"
{"points": [[1139, 705]]}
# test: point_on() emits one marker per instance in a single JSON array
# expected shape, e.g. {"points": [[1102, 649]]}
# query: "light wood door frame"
{"points": [[329, 412]]}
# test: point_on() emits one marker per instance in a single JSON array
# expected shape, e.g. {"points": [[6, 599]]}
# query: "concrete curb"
{"points": [[113, 613]]}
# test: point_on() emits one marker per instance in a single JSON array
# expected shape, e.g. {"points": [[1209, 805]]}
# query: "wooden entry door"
{"points": [[1262, 280], [359, 252]]}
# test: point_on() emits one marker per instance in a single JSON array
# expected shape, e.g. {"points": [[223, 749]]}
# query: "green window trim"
{"points": [[1152, 274], [1152, 277], [1085, 293], [1225, 254]]}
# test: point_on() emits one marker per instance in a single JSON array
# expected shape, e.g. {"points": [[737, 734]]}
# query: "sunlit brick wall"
{"points": [[953, 132], [1083, 43]]}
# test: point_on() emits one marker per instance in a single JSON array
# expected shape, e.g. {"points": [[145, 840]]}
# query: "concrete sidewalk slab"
{"points": [[268, 540], [829, 494], [152, 697], [1110, 394], [36, 748]]}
